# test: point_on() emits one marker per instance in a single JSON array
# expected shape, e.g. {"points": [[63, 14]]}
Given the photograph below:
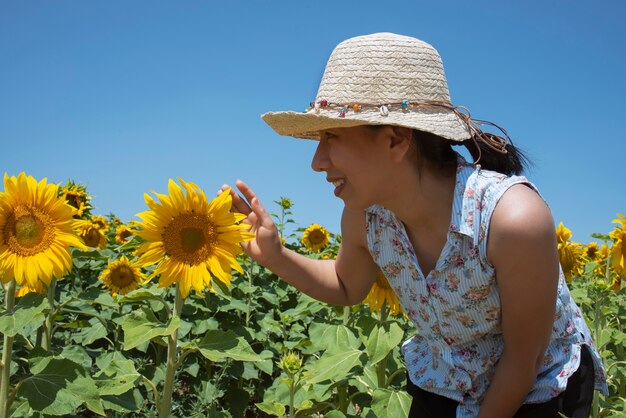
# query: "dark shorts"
{"points": [[574, 402]]}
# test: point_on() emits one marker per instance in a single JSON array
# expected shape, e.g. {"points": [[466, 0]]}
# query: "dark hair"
{"points": [[438, 150]]}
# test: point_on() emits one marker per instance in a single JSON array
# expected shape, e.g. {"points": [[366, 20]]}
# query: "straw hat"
{"points": [[378, 79]]}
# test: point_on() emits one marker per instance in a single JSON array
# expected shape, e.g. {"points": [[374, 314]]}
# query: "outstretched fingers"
{"points": [[256, 206], [264, 217], [239, 204]]}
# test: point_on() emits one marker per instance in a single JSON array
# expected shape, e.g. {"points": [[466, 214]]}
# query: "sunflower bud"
{"points": [[285, 203], [291, 363]]}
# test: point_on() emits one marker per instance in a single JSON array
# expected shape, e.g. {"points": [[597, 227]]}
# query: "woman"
{"points": [[469, 249]]}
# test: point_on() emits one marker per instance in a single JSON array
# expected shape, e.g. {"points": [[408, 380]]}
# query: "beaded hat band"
{"points": [[384, 79]]}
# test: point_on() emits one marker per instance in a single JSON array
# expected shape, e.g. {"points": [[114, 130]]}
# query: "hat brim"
{"points": [[441, 122]]}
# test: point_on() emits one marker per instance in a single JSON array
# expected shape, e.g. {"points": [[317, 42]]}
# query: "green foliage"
{"points": [[27, 314], [604, 309], [108, 354]]}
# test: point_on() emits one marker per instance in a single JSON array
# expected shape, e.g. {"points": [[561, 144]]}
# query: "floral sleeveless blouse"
{"points": [[456, 308]]}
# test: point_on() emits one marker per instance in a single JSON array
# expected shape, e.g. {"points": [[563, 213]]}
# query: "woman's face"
{"points": [[353, 160]]}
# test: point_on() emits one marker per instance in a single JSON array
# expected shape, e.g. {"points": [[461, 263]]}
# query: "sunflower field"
{"points": [[167, 317]]}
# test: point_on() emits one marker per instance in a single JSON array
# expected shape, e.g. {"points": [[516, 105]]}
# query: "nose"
{"points": [[320, 160]]}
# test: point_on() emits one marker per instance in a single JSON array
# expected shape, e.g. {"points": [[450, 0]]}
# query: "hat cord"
{"points": [[495, 142]]}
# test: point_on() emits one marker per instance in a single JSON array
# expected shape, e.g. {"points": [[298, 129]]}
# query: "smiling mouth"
{"points": [[338, 183]]}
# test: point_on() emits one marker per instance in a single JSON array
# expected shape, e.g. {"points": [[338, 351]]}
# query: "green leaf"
{"points": [[142, 326], [308, 408], [382, 340], [334, 414], [266, 365], [332, 337], [105, 299], [77, 354], [128, 401], [192, 369], [237, 401], [272, 408], [93, 332], [235, 304], [117, 378], [367, 380], [28, 312], [92, 254], [209, 393], [602, 237], [22, 409], [218, 345], [144, 293], [604, 337], [59, 386], [334, 367], [391, 404]]}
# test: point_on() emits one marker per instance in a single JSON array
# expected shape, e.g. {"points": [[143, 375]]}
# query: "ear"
{"points": [[401, 142]]}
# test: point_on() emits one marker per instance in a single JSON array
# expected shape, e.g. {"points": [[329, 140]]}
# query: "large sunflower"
{"points": [[122, 276], [191, 238], [36, 231], [315, 238], [381, 292]]}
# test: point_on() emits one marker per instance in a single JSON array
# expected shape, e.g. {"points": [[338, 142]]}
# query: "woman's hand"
{"points": [[316, 278], [267, 245]]}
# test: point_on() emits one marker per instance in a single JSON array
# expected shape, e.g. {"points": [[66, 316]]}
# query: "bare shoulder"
{"points": [[521, 218]]}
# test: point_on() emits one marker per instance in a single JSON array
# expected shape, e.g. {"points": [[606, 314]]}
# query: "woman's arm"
{"points": [[522, 247], [344, 281]]}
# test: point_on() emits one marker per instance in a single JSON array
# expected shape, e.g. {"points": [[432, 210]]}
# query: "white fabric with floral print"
{"points": [[456, 308]]}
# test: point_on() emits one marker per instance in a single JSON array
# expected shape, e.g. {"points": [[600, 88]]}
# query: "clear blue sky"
{"points": [[122, 95]]}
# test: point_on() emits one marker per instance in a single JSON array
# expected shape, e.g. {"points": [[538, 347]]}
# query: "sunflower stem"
{"points": [[381, 366], [597, 317], [249, 277], [384, 312], [154, 390], [346, 314], [165, 408], [49, 324], [7, 349]]}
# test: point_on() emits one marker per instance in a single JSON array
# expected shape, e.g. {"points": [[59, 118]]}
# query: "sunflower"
{"points": [[100, 223], [122, 233], [381, 292], [315, 238], [36, 231], [592, 251], [122, 276], [570, 253], [572, 262], [76, 195], [618, 249], [92, 234], [26, 289], [563, 234], [191, 238]]}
